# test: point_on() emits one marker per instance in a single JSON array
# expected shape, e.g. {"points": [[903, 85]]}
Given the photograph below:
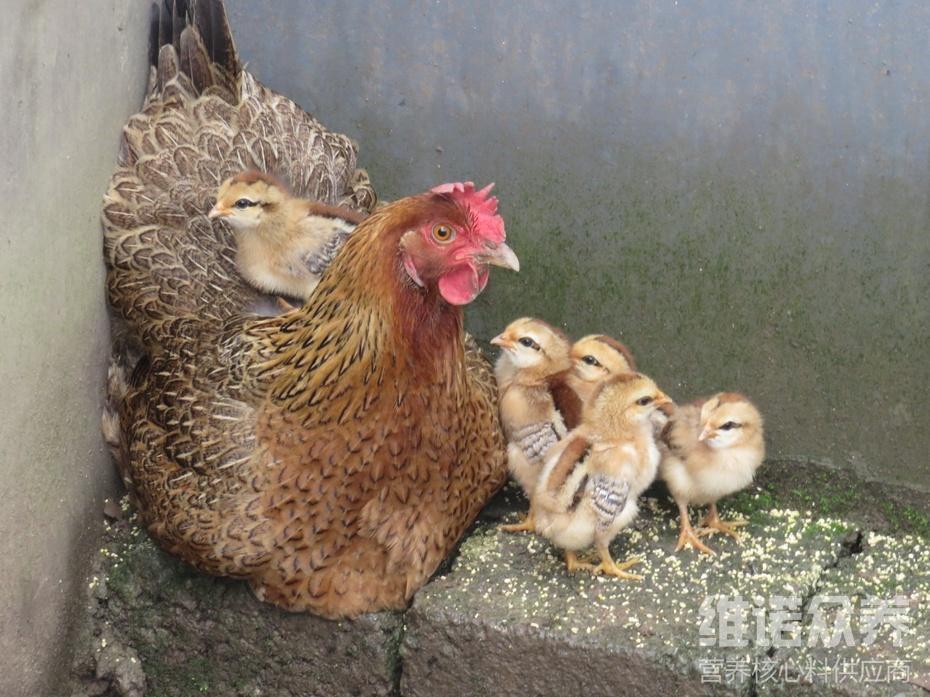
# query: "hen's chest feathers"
{"points": [[346, 397]]}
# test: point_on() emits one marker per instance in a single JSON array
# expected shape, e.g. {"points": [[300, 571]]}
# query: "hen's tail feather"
{"points": [[110, 420], [201, 43], [213, 25]]}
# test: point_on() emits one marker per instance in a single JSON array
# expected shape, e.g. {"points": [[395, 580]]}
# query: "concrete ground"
{"points": [[504, 618]]}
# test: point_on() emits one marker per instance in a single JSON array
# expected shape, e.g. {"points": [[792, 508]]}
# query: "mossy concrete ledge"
{"points": [[504, 618], [161, 629]]}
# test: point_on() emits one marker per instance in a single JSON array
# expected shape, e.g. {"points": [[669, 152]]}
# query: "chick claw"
{"points": [[573, 564], [525, 525], [712, 524], [285, 306], [687, 537], [608, 566]]}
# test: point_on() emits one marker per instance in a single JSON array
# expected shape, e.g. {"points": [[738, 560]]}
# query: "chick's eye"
{"points": [[643, 401], [729, 425], [591, 360], [244, 203], [443, 233], [529, 343]]}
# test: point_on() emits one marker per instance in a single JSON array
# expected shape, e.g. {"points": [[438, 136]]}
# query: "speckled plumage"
{"points": [[323, 455], [203, 120]]}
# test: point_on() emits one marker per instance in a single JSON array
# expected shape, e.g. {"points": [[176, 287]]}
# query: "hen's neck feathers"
{"points": [[366, 309]]}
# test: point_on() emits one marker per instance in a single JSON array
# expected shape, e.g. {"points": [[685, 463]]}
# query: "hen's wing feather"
{"points": [[205, 118]]}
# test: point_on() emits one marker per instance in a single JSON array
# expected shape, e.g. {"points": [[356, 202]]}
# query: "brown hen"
{"points": [[331, 456]]}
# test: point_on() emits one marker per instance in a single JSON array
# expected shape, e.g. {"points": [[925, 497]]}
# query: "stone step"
{"points": [[505, 618]]}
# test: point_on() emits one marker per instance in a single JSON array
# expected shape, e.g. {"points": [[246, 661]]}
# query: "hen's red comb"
{"points": [[481, 207]]}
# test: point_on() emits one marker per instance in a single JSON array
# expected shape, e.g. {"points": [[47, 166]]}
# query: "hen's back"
{"points": [[204, 118]]}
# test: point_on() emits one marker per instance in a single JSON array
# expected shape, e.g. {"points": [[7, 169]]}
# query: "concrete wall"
{"points": [[740, 191], [70, 74]]}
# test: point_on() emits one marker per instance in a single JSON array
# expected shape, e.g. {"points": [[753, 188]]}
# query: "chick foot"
{"points": [[712, 524], [573, 564], [609, 567], [528, 524], [687, 535], [285, 306]]}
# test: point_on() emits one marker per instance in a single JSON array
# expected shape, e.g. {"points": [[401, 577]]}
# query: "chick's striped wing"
{"points": [[608, 496], [535, 440], [319, 259]]}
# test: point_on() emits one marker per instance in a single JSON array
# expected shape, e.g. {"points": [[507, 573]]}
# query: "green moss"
{"points": [[906, 518], [189, 678], [831, 528]]}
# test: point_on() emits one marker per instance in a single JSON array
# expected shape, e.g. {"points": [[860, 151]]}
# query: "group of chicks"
{"points": [[587, 434]]}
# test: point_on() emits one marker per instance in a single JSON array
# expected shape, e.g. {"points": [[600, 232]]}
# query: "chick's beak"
{"points": [[215, 212], [705, 433], [502, 341], [499, 255], [666, 406]]}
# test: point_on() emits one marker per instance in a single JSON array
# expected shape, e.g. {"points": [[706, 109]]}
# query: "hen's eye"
{"points": [[729, 425], [443, 233], [529, 343], [244, 203], [591, 360], [643, 401]]}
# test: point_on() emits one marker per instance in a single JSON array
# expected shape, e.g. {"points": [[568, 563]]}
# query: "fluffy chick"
{"points": [[711, 448], [283, 244], [532, 352], [591, 480], [594, 358]]}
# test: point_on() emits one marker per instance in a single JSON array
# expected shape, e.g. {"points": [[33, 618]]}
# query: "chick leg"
{"points": [[573, 564], [528, 524], [687, 535], [609, 567], [712, 524], [284, 305]]}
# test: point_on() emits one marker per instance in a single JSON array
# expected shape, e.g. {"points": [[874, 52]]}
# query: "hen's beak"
{"points": [[500, 255], [502, 341], [215, 212]]}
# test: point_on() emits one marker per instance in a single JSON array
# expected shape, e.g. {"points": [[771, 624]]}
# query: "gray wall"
{"points": [[70, 74], [738, 190]]}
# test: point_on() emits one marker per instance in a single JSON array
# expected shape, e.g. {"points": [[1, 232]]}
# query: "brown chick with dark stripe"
{"points": [[283, 243], [594, 358], [590, 483], [532, 352]]}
